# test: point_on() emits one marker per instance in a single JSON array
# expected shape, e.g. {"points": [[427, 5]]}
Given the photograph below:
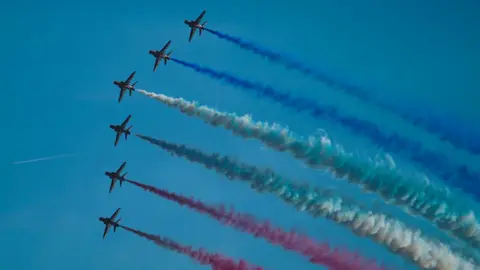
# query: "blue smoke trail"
{"points": [[378, 227], [443, 209], [460, 137], [437, 163]]}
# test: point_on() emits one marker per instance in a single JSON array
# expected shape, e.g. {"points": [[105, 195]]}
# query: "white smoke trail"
{"points": [[453, 215], [43, 158], [426, 254], [316, 202]]}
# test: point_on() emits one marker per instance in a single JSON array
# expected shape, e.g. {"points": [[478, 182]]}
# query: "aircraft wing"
{"points": [[165, 47], [156, 64], [192, 33], [124, 124], [107, 228], [120, 96], [114, 216], [129, 79], [117, 137], [112, 185], [197, 21], [121, 168]]}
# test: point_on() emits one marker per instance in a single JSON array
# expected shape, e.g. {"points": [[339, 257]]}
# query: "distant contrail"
{"points": [[43, 158]]}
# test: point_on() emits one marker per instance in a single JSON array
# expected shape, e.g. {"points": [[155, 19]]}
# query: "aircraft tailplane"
{"points": [[167, 57], [116, 225], [127, 132], [200, 30], [133, 88], [123, 178]]}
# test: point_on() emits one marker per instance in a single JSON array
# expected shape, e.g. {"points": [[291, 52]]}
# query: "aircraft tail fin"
{"points": [[133, 88], [116, 225], [127, 132], [123, 178], [200, 30], [167, 57]]}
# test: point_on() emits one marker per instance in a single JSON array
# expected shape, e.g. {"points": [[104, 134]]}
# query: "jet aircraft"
{"points": [[196, 24], [119, 129], [125, 85], [116, 176], [159, 55], [110, 221]]}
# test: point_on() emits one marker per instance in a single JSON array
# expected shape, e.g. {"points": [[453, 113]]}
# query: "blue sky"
{"points": [[58, 64]]}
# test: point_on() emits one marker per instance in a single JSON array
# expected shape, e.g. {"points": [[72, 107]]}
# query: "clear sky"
{"points": [[58, 61]]}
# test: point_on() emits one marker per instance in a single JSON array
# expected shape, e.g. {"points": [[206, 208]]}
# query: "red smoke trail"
{"points": [[215, 260], [316, 252]]}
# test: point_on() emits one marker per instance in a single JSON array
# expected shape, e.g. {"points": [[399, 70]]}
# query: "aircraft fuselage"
{"points": [[105, 221], [122, 85], [154, 53], [116, 128], [158, 54], [108, 221], [119, 84], [119, 129], [192, 24], [113, 176]]}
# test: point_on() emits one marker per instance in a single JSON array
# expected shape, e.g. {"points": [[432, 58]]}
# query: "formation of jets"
{"points": [[122, 128], [161, 54]]}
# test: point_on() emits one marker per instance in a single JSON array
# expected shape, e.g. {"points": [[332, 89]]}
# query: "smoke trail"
{"points": [[378, 227], [43, 159], [436, 163], [418, 197], [316, 252], [215, 260], [445, 130]]}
